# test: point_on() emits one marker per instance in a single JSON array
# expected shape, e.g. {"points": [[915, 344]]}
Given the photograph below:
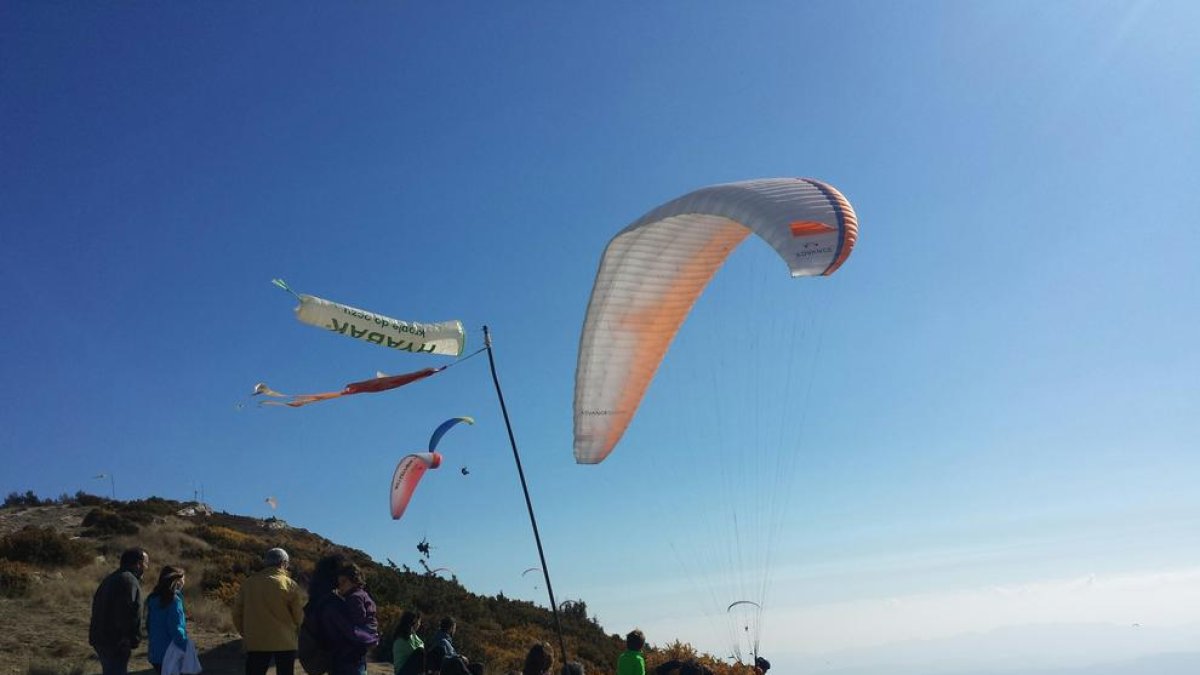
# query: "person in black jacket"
{"points": [[115, 629]]}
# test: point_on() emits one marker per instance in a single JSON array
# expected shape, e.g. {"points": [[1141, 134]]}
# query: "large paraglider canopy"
{"points": [[653, 271], [651, 276]]}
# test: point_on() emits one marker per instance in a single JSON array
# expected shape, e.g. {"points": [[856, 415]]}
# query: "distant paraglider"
{"points": [[412, 467], [112, 481], [530, 570], [406, 477], [272, 502], [449, 424], [745, 620], [742, 602]]}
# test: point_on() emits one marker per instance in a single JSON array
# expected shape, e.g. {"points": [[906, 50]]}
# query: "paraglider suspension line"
{"points": [[487, 344]]}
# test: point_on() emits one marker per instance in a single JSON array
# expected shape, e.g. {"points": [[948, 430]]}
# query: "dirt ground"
{"points": [[223, 658]]}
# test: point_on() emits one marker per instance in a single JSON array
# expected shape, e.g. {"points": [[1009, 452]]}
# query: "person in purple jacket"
{"points": [[348, 623]]}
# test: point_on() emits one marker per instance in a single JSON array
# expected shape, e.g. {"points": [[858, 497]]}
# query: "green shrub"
{"points": [[102, 522], [15, 579], [44, 546], [84, 499], [27, 499], [149, 507]]}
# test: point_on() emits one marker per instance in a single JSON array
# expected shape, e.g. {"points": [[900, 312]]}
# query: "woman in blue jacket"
{"points": [[165, 622]]}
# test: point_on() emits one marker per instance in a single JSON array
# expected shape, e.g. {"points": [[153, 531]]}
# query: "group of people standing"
{"points": [[269, 612], [115, 629], [330, 633]]}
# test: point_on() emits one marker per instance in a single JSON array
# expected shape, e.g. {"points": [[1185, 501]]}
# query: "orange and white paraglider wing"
{"points": [[653, 271], [406, 477]]}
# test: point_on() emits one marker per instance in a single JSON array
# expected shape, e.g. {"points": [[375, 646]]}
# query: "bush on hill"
{"points": [[102, 522], [82, 498], [27, 499], [15, 579], [149, 508], [44, 546]]}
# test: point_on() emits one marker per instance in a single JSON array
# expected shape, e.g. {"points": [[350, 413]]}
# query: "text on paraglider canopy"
{"points": [[381, 339], [809, 251]]}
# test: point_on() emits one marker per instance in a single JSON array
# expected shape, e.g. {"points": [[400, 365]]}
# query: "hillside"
{"points": [[53, 553]]}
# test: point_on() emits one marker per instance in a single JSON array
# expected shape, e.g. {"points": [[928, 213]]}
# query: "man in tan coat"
{"points": [[267, 613]]}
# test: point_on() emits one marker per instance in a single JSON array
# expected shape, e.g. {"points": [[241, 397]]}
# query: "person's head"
{"points": [[572, 668], [276, 557], [761, 665], [635, 640], [170, 582], [448, 625], [539, 659], [135, 560], [324, 576], [349, 577], [410, 621]]}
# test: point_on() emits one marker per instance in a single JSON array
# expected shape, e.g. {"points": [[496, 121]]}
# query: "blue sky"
{"points": [[998, 390]]}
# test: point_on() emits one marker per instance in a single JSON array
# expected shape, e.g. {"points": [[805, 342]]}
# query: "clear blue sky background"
{"points": [[1007, 364]]}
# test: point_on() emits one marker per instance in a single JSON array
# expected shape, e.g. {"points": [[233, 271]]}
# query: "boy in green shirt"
{"points": [[631, 661]]}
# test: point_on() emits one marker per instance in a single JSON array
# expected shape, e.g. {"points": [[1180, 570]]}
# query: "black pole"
{"points": [[487, 343]]}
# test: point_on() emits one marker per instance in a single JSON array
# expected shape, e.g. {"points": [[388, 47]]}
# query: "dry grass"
{"points": [[56, 667], [51, 620], [209, 615], [168, 543], [68, 589]]}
